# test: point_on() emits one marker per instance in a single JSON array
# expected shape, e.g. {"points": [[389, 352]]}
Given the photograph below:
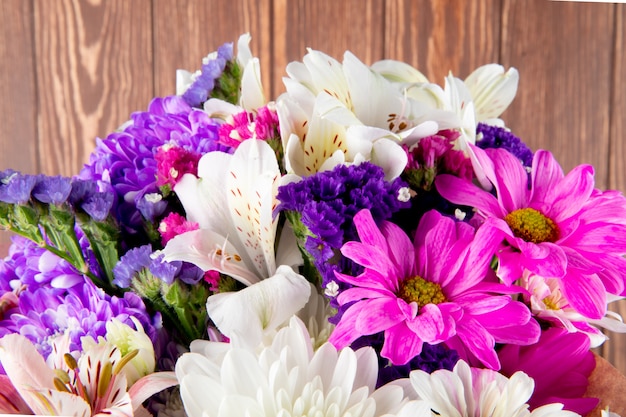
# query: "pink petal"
{"points": [[377, 315], [25, 366], [585, 293], [431, 326], [546, 173], [368, 279], [400, 249], [463, 192], [545, 259], [145, 387], [479, 342], [511, 180], [509, 265], [401, 344], [598, 237], [570, 194], [357, 294], [10, 400], [368, 231], [345, 332], [371, 257]]}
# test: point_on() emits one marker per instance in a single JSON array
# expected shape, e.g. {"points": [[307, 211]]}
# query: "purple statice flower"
{"points": [[328, 201], [499, 137], [152, 206], [52, 190], [203, 81], [16, 188], [432, 358], [140, 259], [124, 162]]}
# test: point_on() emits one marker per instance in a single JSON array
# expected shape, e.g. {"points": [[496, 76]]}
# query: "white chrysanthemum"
{"points": [[472, 392], [287, 378]]}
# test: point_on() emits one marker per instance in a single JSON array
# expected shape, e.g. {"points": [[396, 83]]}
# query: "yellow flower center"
{"points": [[423, 292], [532, 226]]}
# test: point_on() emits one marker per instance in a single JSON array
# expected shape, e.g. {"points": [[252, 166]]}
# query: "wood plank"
{"points": [[94, 67], [563, 52], [328, 26], [18, 118], [438, 36], [615, 349], [186, 31]]}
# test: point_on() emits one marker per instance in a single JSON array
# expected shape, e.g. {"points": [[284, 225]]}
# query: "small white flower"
{"points": [[459, 214], [404, 194], [332, 289]]}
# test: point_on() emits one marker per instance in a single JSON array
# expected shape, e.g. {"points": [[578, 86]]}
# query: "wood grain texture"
{"points": [[18, 105], [442, 36], [94, 67], [564, 54], [615, 349], [186, 31], [328, 26]]}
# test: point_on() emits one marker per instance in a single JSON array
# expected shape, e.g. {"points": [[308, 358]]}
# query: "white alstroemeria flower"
{"points": [[93, 385], [336, 113], [249, 316], [469, 392], [232, 200], [492, 90], [547, 302], [126, 340], [285, 378], [252, 93]]}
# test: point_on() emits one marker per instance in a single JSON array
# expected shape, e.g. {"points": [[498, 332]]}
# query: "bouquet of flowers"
{"points": [[370, 243]]}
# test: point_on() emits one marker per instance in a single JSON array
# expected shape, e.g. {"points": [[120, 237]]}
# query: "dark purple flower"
{"points": [[327, 202], [52, 190], [499, 137]]}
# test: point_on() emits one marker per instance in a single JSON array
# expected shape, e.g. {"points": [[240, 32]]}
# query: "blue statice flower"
{"points": [[124, 162], [54, 297], [52, 190], [326, 203], [140, 259], [16, 188], [203, 81], [499, 137]]}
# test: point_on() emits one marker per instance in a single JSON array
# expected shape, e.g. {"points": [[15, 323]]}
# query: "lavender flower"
{"points": [[125, 162], [16, 188], [498, 137], [54, 297], [52, 190], [203, 81]]}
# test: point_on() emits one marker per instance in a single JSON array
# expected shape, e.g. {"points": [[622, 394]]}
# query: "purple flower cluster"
{"points": [[138, 259], [125, 163], [499, 137], [54, 297], [204, 80], [327, 202]]}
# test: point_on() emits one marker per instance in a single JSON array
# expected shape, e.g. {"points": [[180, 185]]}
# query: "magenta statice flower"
{"points": [[173, 225], [245, 125], [560, 227], [173, 162], [564, 380], [437, 289]]}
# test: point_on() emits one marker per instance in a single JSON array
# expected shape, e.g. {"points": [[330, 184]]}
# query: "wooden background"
{"points": [[73, 70]]}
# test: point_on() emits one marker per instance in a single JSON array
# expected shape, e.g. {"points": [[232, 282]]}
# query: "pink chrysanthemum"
{"points": [[442, 293], [559, 227]]}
